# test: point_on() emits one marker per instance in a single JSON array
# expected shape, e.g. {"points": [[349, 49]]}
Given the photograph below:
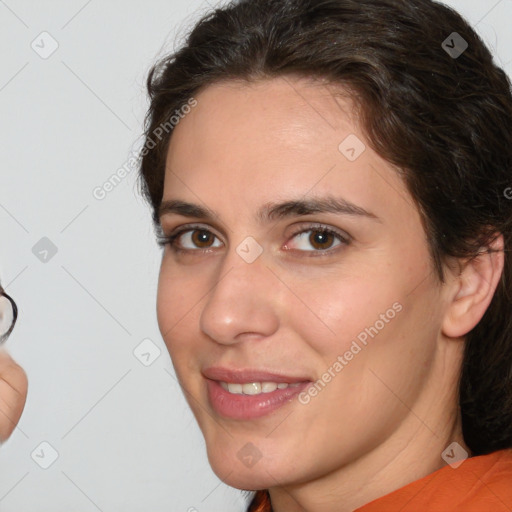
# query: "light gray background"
{"points": [[125, 437]]}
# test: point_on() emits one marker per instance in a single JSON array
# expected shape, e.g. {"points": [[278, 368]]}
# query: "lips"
{"points": [[249, 407]]}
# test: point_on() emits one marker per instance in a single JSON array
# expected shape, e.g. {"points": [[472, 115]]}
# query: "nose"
{"points": [[244, 301]]}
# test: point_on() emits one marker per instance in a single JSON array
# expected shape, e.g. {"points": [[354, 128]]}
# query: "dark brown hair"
{"points": [[444, 120]]}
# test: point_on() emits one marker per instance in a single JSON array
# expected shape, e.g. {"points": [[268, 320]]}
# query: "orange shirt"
{"points": [[480, 484]]}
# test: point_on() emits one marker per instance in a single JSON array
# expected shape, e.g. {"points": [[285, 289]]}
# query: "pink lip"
{"points": [[248, 407]]}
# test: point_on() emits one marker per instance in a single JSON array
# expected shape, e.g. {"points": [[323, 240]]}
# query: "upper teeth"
{"points": [[255, 388]]}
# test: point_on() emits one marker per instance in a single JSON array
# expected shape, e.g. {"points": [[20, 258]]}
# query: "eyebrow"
{"points": [[272, 211]]}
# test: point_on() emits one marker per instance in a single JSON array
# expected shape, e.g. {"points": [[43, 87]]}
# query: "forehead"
{"points": [[275, 139], [283, 113]]}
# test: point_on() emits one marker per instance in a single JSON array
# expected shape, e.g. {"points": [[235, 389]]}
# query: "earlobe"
{"points": [[473, 290]]}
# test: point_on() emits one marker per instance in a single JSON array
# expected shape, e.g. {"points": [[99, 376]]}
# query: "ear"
{"points": [[13, 394], [473, 290]]}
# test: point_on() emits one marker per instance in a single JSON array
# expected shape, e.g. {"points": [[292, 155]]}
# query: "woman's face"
{"points": [[261, 295]]}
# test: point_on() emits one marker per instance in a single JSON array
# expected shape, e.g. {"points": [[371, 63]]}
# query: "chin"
{"points": [[279, 464], [246, 468], [247, 479]]}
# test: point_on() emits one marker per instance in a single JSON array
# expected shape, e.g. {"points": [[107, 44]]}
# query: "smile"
{"points": [[250, 393], [255, 388]]}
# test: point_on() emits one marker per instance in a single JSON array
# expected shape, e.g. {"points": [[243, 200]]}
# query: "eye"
{"points": [[321, 238], [199, 237]]}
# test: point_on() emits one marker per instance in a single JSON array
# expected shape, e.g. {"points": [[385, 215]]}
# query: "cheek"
{"points": [[171, 305], [376, 352], [169, 312], [338, 311], [176, 296], [180, 297]]}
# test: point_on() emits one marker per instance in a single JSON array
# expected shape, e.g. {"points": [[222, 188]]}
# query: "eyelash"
{"points": [[163, 240]]}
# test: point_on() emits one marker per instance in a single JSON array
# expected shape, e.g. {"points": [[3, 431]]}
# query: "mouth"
{"points": [[250, 394], [255, 388]]}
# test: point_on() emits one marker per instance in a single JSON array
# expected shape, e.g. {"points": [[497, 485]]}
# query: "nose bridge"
{"points": [[244, 266], [240, 300]]}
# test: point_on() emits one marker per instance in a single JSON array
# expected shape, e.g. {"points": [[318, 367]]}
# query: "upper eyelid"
{"points": [[190, 227]]}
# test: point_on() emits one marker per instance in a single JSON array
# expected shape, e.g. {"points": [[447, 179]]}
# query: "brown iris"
{"points": [[200, 237], [319, 239]]}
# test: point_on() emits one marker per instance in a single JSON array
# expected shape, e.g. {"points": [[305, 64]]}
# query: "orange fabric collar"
{"points": [[480, 484]]}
